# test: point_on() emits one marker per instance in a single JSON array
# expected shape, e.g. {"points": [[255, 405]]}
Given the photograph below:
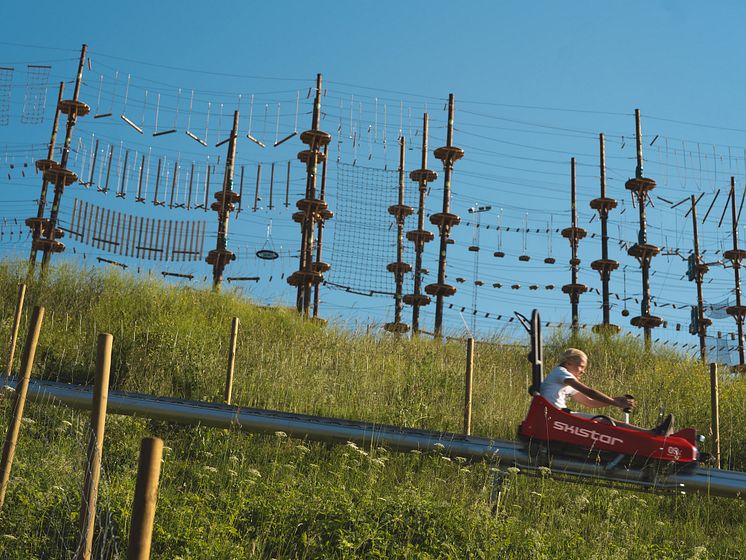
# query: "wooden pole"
{"points": [[14, 332], [19, 402], [37, 230], [419, 236], [715, 413], [231, 361], [146, 493], [737, 311], [73, 108], [95, 447], [320, 235], [448, 154], [574, 262], [467, 394], [220, 256], [699, 272]]}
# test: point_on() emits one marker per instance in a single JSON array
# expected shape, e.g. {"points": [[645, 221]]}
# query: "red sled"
{"points": [[562, 432]]}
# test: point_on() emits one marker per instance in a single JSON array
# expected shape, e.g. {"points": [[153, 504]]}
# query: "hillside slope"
{"points": [[229, 495]]}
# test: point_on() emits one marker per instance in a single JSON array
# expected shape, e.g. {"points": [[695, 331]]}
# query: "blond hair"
{"points": [[573, 356]]}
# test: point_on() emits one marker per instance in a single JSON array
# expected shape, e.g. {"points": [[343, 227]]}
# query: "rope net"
{"points": [[35, 96], [364, 233], [6, 82]]}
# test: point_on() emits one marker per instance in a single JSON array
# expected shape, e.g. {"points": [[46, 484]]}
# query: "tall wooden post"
{"points": [[37, 223], [736, 255], [225, 203], [310, 210], [19, 401], [14, 331], [146, 495], [697, 270], [420, 236], [95, 447], [58, 173], [231, 361], [400, 212], [574, 234], [324, 215], [444, 220], [640, 187], [715, 420], [468, 385], [605, 266]]}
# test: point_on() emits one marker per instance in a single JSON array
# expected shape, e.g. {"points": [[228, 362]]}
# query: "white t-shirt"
{"points": [[553, 387]]}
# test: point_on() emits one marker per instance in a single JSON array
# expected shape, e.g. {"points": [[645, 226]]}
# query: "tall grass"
{"points": [[231, 495]]}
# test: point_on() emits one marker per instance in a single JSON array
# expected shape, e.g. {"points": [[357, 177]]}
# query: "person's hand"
{"points": [[625, 401]]}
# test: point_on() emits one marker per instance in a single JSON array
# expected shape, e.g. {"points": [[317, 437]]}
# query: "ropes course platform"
{"points": [[504, 453]]}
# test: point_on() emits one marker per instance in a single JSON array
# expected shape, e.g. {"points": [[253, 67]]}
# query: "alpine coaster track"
{"points": [[503, 453]]}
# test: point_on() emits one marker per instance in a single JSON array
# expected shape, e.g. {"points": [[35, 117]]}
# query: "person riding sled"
{"points": [[563, 382]]}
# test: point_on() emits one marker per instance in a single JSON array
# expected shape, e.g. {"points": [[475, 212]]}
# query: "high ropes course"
{"points": [[175, 177]]}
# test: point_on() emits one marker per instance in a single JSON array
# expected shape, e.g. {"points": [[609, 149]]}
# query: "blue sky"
{"points": [[534, 84]]}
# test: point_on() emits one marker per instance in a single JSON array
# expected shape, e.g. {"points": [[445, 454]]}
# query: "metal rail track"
{"points": [[503, 453]]}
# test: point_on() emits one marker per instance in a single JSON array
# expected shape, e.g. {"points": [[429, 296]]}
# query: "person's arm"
{"points": [[592, 398]]}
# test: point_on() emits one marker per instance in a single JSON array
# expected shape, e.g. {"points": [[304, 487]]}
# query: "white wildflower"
{"points": [[210, 469], [281, 434]]}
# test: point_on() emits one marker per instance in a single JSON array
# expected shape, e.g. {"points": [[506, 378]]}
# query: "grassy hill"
{"points": [[230, 495]]}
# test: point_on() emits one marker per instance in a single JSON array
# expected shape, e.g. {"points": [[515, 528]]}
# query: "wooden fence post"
{"points": [[467, 394], [14, 332], [146, 493], [95, 447], [27, 362], [231, 362], [715, 413]]}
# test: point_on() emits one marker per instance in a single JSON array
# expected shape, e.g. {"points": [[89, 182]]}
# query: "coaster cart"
{"points": [[551, 433]]}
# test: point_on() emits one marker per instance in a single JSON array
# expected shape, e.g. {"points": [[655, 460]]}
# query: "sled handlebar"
{"points": [[628, 410]]}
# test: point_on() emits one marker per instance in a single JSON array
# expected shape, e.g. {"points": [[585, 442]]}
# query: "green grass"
{"points": [[231, 495]]}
